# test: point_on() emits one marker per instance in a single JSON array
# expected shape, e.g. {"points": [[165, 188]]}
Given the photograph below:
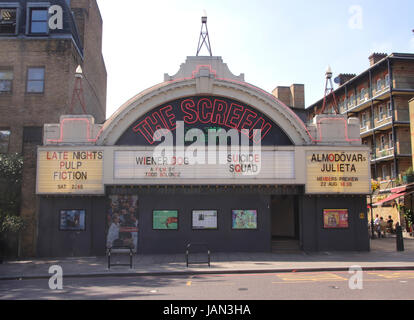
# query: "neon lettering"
{"points": [[189, 108]]}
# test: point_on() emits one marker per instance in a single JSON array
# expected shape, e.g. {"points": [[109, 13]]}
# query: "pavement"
{"points": [[383, 256]]}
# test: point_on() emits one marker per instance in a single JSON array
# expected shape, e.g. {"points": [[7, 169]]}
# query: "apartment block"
{"points": [[379, 97], [37, 79]]}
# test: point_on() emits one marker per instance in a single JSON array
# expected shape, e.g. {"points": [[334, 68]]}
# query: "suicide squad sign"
{"points": [[239, 166]]}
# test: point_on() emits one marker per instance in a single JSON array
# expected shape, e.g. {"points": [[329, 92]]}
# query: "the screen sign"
{"points": [[204, 113]]}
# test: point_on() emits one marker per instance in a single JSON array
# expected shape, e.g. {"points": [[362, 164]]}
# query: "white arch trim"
{"points": [[155, 96]]}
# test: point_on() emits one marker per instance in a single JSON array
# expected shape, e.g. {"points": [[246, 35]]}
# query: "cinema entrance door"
{"points": [[284, 211]]}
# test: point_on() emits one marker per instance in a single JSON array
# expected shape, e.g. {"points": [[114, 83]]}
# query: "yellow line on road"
{"points": [[306, 281], [311, 277], [394, 275], [188, 283]]}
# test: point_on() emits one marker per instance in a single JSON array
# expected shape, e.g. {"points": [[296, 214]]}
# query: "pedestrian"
{"points": [[390, 223], [383, 226], [377, 226]]}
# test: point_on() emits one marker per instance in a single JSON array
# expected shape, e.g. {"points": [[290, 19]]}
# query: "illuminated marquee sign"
{"points": [[204, 113], [143, 165], [338, 172], [70, 172]]}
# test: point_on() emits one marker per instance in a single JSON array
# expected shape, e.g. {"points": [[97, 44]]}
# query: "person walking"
{"points": [[383, 226], [377, 226], [390, 224]]}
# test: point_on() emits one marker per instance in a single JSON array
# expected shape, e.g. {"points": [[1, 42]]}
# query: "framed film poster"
{"points": [[72, 220], [244, 219], [335, 218], [165, 219], [204, 219]]}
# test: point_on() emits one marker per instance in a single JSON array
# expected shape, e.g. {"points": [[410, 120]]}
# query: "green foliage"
{"points": [[409, 172], [409, 216], [11, 224], [11, 168]]}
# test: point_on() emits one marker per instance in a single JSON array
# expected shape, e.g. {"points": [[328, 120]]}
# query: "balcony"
{"points": [[403, 150], [388, 184], [382, 155]]}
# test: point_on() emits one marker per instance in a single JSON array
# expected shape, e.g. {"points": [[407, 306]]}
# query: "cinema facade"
{"points": [[104, 185]]}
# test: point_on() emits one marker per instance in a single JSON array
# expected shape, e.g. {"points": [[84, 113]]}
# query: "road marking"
{"points": [[394, 275], [311, 277], [190, 283]]}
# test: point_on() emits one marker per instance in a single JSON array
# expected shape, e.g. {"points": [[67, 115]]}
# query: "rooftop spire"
{"points": [[204, 37], [329, 90]]}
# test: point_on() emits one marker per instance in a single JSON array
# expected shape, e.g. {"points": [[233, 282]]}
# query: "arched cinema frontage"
{"points": [[107, 185]]}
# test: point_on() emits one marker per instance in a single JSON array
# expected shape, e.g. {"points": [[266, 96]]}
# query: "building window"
{"points": [[393, 173], [362, 97], [364, 121], [33, 135], [379, 85], [389, 109], [8, 21], [6, 81], [387, 80], [35, 80], [380, 112], [391, 140], [4, 140], [384, 172], [351, 100], [382, 142], [39, 20]]}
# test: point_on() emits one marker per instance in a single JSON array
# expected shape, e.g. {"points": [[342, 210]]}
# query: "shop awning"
{"points": [[391, 197]]}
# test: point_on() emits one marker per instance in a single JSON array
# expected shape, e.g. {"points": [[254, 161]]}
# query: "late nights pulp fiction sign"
{"points": [[338, 172], [70, 172]]}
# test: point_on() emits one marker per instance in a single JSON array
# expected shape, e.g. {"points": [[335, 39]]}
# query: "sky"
{"points": [[274, 43]]}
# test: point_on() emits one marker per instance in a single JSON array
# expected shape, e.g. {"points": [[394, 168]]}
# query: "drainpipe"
{"points": [[372, 218], [394, 135], [374, 142]]}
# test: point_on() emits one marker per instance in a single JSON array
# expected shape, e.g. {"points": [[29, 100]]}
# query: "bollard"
{"points": [[400, 239]]}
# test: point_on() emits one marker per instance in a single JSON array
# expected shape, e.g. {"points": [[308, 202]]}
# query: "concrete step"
{"points": [[285, 245]]}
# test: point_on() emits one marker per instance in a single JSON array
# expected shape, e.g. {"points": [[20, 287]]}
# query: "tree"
{"points": [[11, 167]]}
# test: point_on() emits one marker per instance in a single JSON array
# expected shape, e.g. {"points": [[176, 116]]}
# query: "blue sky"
{"points": [[274, 43]]}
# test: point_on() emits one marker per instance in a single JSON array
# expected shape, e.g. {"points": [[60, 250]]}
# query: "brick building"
{"points": [[293, 97], [379, 97], [37, 77]]}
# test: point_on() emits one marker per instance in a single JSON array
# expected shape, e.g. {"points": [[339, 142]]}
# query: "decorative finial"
{"points": [[204, 37]]}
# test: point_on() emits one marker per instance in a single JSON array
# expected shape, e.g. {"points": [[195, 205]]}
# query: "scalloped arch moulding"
{"points": [[172, 90]]}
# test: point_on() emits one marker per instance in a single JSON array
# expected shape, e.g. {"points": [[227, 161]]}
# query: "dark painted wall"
{"points": [[221, 240], [55, 243], [315, 238]]}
